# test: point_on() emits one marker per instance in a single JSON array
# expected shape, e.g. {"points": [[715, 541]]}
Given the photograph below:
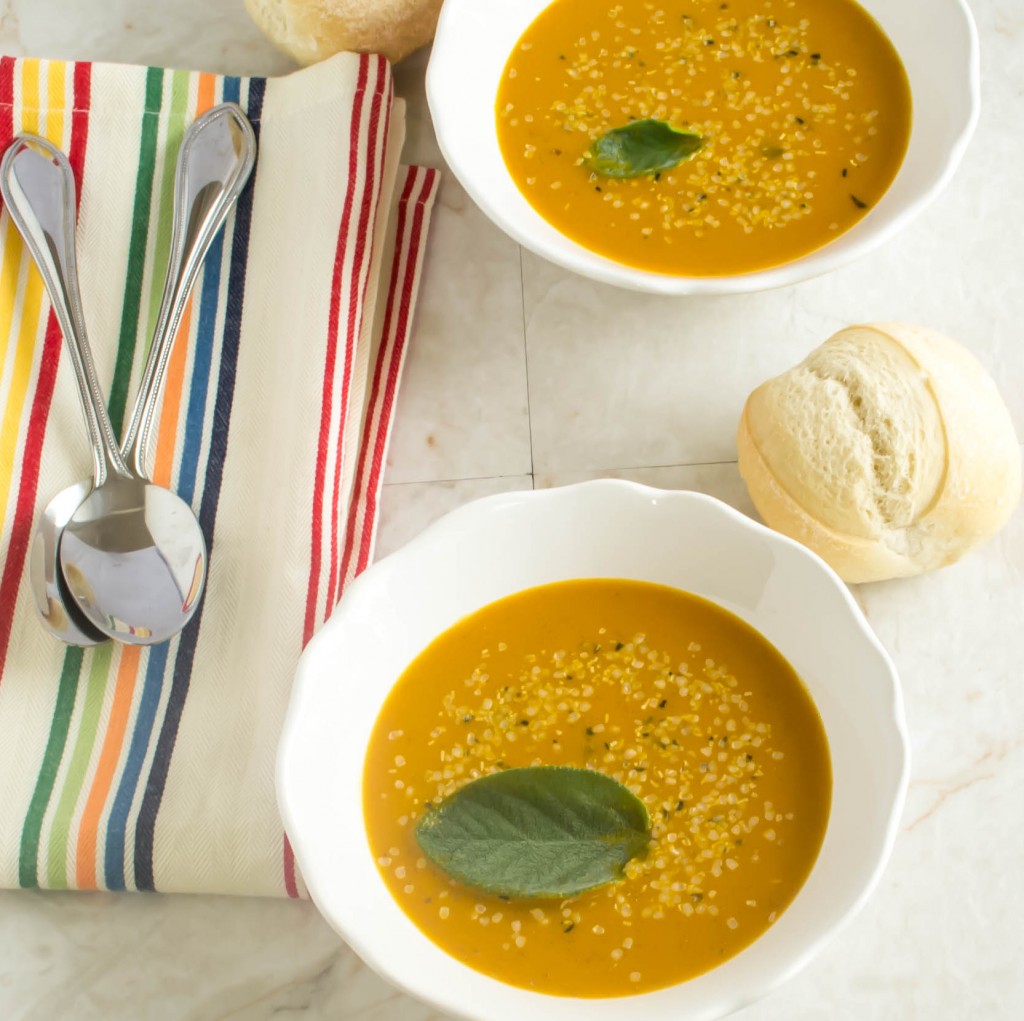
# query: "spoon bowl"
{"points": [[134, 560]]}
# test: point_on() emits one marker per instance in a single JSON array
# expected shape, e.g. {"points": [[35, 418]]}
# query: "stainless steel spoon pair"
{"points": [[120, 557]]}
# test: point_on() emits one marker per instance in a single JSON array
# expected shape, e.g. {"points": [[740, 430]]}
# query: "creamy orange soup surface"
{"points": [[803, 107], [683, 703]]}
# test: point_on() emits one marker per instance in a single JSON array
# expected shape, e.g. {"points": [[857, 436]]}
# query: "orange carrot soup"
{"points": [[703, 137], [685, 727]]}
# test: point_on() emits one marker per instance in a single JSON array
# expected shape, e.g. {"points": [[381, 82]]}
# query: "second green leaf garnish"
{"points": [[538, 831], [640, 148]]}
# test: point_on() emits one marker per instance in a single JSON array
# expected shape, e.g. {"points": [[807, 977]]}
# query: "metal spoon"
{"points": [[39, 192], [47, 242], [214, 163], [199, 214]]}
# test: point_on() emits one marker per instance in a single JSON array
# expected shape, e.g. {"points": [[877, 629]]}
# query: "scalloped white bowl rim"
{"points": [[472, 44], [605, 528]]}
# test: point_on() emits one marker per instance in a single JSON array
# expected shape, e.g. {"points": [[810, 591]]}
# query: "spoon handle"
{"points": [[214, 163], [38, 188]]}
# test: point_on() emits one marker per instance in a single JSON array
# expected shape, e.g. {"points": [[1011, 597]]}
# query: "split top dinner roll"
{"points": [[312, 30], [888, 451]]}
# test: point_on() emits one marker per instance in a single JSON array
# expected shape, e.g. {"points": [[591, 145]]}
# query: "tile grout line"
{"points": [[677, 464], [462, 478], [584, 471], [526, 363]]}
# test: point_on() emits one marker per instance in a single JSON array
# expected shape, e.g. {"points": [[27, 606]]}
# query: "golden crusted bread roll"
{"points": [[888, 451], [312, 30]]}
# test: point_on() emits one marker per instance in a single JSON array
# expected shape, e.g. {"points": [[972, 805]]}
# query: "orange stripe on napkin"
{"points": [[205, 92], [175, 375], [173, 384], [128, 670], [85, 855]]}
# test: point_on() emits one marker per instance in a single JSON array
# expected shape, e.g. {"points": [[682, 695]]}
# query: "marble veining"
{"points": [[521, 375]]}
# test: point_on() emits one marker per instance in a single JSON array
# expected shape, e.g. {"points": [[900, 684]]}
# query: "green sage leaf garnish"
{"points": [[641, 147], [538, 831]]}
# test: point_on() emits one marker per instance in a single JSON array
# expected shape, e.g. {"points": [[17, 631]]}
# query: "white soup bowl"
{"points": [[936, 39], [503, 544]]}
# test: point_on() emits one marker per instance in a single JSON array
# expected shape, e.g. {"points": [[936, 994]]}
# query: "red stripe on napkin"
{"points": [[387, 371], [402, 285], [357, 297], [323, 444], [405, 298], [21, 526]]}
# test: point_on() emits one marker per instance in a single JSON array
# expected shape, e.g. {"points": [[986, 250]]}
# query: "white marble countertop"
{"points": [[521, 375]]}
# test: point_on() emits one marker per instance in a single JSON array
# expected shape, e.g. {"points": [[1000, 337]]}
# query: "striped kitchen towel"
{"points": [[152, 769]]}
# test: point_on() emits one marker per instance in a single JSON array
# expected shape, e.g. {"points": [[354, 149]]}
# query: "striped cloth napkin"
{"points": [[152, 769]]}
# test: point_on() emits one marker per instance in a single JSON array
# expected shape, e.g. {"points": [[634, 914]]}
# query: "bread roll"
{"points": [[312, 30], [888, 451]]}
